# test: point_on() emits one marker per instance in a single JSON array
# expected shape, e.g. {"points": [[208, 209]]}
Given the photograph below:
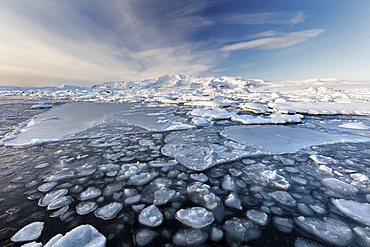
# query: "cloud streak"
{"points": [[282, 41], [91, 41], [274, 18]]}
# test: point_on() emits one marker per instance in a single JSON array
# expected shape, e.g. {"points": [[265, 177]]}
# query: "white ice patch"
{"points": [[276, 118], [283, 139], [28, 233], [323, 108], [195, 217], [358, 126], [215, 113], [82, 236], [150, 121], [62, 121], [356, 210]]}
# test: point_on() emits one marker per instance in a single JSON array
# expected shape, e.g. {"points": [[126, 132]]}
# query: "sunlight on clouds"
{"points": [[119, 44], [285, 40]]}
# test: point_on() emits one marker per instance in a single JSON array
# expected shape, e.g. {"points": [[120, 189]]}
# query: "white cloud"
{"points": [[283, 40], [287, 18], [92, 41]]}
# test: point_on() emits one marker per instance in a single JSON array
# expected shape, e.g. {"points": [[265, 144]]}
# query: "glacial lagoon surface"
{"points": [[156, 174]]}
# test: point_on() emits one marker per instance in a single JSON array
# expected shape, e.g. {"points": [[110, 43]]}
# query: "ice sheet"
{"points": [[283, 139], [62, 121]]}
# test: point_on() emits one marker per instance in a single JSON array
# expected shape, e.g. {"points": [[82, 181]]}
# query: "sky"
{"points": [[53, 42]]}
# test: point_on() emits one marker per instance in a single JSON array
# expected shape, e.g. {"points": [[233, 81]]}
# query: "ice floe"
{"points": [[29, 232], [195, 217]]}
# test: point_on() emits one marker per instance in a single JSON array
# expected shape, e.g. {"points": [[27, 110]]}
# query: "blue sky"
{"points": [[52, 42]]}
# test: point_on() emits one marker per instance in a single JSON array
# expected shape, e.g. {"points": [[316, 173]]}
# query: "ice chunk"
{"points": [[60, 202], [163, 195], [108, 211], [86, 207], [195, 217], [284, 198], [32, 244], [339, 186], [201, 177], [142, 178], [276, 118], [283, 224], [216, 234], [89, 193], [216, 113], [145, 236], [228, 183], [29, 233], [46, 187], [189, 237], [363, 235], [238, 230], [261, 175], [111, 188], [358, 211], [258, 217], [301, 242], [53, 240], [358, 126], [233, 201], [199, 193], [82, 236], [331, 231], [51, 196], [151, 216]]}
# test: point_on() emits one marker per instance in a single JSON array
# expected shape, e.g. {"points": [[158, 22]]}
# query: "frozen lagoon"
{"points": [[144, 174]]}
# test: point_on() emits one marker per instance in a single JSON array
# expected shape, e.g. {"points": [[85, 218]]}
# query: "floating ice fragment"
{"points": [[51, 196], [283, 224], [46, 187], [151, 216], [195, 217], [82, 236], [284, 198], [32, 244], [53, 240], [238, 230], [60, 202], [363, 235], [339, 186], [301, 242], [163, 195], [258, 217], [331, 231], [201, 177], [89, 193], [142, 178], [145, 236], [108, 211], [162, 163], [233, 201], [357, 211], [86, 207], [276, 118], [28, 233], [358, 126], [189, 237], [216, 234]]}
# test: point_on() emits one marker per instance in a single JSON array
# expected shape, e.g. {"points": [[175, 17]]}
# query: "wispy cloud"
{"points": [[275, 18], [92, 41], [274, 40]]}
